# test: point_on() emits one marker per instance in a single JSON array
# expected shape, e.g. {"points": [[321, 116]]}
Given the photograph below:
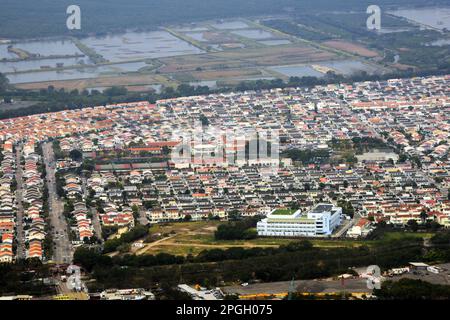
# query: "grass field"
{"points": [[401, 235]]}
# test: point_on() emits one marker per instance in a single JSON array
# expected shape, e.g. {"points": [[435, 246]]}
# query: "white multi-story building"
{"points": [[320, 221]]}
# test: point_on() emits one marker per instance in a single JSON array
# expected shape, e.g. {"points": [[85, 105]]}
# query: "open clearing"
{"points": [[125, 80], [244, 58], [351, 48], [183, 238]]}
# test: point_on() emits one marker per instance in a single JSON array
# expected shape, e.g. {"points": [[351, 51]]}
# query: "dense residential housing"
{"points": [[128, 147], [32, 202], [8, 208]]}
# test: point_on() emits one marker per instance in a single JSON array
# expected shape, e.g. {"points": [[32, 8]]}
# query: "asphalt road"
{"points": [[63, 252], [343, 228], [19, 198], [311, 286], [143, 217]]}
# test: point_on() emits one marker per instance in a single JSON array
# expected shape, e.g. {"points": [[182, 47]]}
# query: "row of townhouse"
{"points": [[117, 200], [7, 203], [117, 216], [287, 109], [81, 223], [72, 188], [217, 191], [83, 226], [409, 113], [33, 185], [197, 202]]}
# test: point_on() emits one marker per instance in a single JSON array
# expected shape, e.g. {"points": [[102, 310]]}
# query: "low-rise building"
{"points": [[320, 221], [199, 293], [126, 294]]}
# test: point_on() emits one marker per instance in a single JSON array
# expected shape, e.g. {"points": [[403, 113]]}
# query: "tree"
{"points": [[236, 230], [116, 91], [307, 156], [423, 216], [402, 158], [124, 248], [166, 150], [234, 215], [134, 234], [347, 208], [412, 224], [88, 258], [135, 210], [91, 240], [75, 155], [294, 205], [149, 204], [4, 82], [250, 234], [204, 120], [412, 289]]}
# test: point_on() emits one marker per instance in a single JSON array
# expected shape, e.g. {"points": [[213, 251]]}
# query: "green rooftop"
{"points": [[283, 212]]}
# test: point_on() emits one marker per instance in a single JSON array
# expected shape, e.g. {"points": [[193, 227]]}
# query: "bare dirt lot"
{"points": [[130, 80], [351, 48]]}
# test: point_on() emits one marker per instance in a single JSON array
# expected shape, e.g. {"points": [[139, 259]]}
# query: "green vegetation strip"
{"points": [[284, 212], [189, 40], [94, 56]]}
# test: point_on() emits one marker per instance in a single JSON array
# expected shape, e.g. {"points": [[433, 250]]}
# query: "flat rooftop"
{"points": [[283, 212], [322, 208]]}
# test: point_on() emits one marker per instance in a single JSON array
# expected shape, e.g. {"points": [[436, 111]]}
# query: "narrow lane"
{"points": [[20, 235], [143, 216]]}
